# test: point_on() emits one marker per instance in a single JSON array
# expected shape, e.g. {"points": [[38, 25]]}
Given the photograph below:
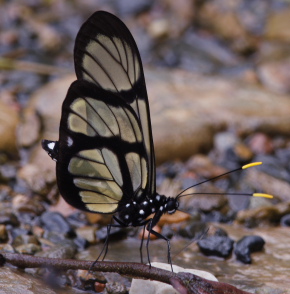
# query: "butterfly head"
{"points": [[172, 205]]}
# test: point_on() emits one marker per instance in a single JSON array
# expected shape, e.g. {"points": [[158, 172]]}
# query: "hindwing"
{"points": [[102, 162]]}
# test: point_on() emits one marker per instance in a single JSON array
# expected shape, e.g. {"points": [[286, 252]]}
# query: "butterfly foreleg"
{"points": [[142, 240], [151, 224]]}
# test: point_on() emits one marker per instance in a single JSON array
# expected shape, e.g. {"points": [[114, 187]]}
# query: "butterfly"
{"points": [[105, 160]]}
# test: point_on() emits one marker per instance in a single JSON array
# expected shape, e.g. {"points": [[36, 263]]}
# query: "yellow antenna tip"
{"points": [[263, 195], [251, 164]]}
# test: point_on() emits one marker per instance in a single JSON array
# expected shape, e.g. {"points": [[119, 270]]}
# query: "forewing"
{"points": [[102, 161], [106, 54]]}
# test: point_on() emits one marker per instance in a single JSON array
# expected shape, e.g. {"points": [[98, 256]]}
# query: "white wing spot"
{"points": [[134, 203], [157, 197], [51, 145], [127, 205], [145, 203], [69, 141], [126, 216], [151, 200], [161, 208], [141, 211], [153, 209]]}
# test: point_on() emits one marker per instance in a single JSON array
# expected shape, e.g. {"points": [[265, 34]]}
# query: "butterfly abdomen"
{"points": [[133, 213]]}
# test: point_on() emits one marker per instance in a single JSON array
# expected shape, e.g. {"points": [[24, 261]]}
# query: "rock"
{"points": [[88, 233], [29, 248], [192, 229], [263, 215], [261, 144], [29, 129], [25, 204], [246, 246], [149, 287], [3, 234], [221, 18], [7, 248], [177, 217], [204, 167], [275, 75], [9, 120], [55, 222], [277, 25], [25, 239], [116, 233], [220, 246], [116, 288], [91, 280], [64, 249], [205, 203], [261, 181], [8, 218], [13, 282], [81, 243]]}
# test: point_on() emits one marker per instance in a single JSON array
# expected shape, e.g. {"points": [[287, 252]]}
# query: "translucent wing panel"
{"points": [[110, 63], [93, 117]]}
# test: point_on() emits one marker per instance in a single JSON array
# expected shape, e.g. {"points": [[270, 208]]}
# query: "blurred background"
{"points": [[218, 79]]}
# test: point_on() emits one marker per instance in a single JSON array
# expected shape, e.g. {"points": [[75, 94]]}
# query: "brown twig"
{"points": [[183, 282]]}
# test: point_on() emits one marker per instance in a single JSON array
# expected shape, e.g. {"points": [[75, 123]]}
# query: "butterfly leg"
{"points": [[104, 250], [142, 240], [152, 222]]}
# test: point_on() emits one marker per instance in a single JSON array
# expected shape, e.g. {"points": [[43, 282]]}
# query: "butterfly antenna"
{"points": [[219, 176]]}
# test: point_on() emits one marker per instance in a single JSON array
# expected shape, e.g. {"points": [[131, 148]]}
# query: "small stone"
{"points": [[25, 204], [192, 229], [25, 239], [285, 220], [262, 215], [157, 229], [8, 121], [246, 246], [261, 144], [3, 233], [64, 249], [55, 222], [29, 129], [149, 287], [88, 233], [216, 246], [7, 248], [177, 217], [8, 218], [116, 233], [30, 249], [81, 243], [204, 167], [91, 280], [116, 288]]}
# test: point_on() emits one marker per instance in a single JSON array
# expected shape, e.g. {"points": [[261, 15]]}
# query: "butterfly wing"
{"points": [[106, 54], [102, 161], [105, 155]]}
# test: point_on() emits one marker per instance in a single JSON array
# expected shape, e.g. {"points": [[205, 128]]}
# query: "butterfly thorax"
{"points": [[134, 213]]}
